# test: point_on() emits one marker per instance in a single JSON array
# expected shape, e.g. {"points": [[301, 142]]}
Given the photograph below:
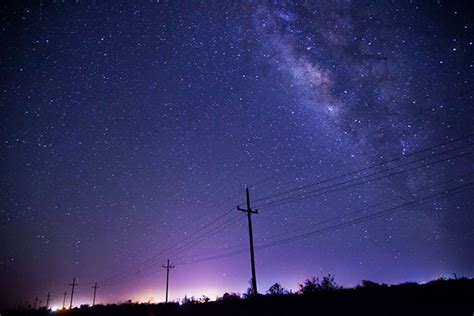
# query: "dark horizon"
{"points": [[131, 130]]}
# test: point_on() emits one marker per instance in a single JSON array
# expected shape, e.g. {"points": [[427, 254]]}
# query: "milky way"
{"points": [[130, 131]]}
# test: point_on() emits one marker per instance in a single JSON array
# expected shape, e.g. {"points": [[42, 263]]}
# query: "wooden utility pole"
{"points": [[48, 297], [167, 267], [95, 287], [73, 285], [64, 300], [249, 212]]}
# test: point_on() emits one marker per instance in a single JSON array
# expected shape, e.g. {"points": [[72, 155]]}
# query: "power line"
{"points": [[207, 235], [150, 263], [402, 157], [304, 196], [154, 258], [376, 132], [356, 221], [151, 260], [343, 216], [367, 175], [375, 215], [364, 182], [375, 205]]}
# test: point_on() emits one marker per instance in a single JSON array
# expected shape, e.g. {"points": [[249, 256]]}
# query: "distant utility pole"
{"points": [[64, 300], [36, 302], [48, 297], [167, 267], [73, 285], [249, 212], [95, 287]]}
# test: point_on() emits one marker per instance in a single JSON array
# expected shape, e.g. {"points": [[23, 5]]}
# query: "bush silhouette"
{"points": [[366, 284], [204, 299], [229, 297]]}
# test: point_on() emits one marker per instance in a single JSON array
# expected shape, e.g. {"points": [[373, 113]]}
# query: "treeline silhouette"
{"points": [[315, 296]]}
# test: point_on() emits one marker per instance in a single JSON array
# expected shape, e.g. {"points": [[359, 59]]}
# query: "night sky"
{"points": [[129, 132]]}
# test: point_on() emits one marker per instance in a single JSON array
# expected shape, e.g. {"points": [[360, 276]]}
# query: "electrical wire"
{"points": [[402, 157], [318, 192], [362, 219]]}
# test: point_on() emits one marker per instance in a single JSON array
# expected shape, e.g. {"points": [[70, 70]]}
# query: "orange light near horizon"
{"points": [[146, 297]]}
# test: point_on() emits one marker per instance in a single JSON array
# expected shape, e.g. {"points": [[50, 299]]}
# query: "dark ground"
{"points": [[441, 297]]}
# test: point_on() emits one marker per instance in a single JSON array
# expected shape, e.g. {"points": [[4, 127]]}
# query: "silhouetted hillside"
{"points": [[440, 297]]}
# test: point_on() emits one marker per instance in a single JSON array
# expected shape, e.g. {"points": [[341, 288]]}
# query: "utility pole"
{"points": [[249, 212], [64, 300], [95, 287], [73, 285], [47, 300], [167, 267], [36, 302]]}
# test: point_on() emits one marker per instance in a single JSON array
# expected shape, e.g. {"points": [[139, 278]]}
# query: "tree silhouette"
{"points": [[309, 286], [313, 285], [249, 292], [276, 289], [328, 283]]}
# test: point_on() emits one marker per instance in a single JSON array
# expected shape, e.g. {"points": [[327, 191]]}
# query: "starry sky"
{"points": [[129, 132]]}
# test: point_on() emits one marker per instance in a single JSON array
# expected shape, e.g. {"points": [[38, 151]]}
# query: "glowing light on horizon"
{"points": [[159, 297]]}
